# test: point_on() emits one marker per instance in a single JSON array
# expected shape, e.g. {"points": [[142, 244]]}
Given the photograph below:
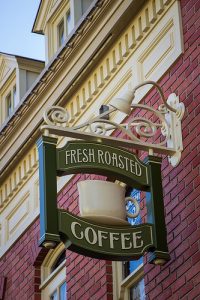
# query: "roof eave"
{"points": [[36, 25]]}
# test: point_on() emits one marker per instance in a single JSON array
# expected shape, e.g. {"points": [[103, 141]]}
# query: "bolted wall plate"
{"points": [[175, 131]]}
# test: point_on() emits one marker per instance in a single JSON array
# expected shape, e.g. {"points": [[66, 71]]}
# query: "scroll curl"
{"points": [[56, 115]]}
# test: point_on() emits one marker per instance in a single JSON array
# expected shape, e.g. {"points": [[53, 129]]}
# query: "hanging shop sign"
{"points": [[84, 235]]}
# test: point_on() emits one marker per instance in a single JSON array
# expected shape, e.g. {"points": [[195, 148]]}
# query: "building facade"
{"points": [[95, 50]]}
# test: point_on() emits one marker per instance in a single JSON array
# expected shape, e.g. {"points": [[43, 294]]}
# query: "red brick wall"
{"points": [[17, 266], [180, 278]]}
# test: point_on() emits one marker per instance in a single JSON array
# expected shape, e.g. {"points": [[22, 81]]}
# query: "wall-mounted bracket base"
{"points": [[175, 131]]}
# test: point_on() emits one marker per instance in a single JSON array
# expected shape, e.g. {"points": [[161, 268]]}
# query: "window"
{"points": [[53, 275], [85, 5], [15, 98], [78, 8], [9, 107], [58, 261], [64, 28], [61, 22], [69, 26], [59, 293], [137, 292], [133, 282], [11, 101], [128, 281], [61, 33]]}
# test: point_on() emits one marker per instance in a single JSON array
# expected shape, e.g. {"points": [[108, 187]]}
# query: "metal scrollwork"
{"points": [[135, 128], [157, 131], [98, 128], [146, 128], [56, 115]]}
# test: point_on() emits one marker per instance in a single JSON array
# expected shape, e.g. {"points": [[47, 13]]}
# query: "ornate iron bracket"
{"points": [[157, 131]]}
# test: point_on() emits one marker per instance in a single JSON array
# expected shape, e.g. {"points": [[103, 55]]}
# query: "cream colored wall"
{"points": [[20, 212], [144, 51]]}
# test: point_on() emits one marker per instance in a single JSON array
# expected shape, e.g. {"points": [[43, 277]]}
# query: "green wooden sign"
{"points": [[99, 241], [109, 242], [97, 158]]}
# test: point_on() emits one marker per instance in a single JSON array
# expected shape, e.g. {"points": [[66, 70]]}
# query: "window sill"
{"points": [[133, 278], [52, 275]]}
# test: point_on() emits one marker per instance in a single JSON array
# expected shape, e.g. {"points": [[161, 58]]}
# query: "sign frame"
{"points": [[53, 232]]}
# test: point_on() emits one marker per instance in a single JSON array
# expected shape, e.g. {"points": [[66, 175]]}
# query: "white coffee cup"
{"points": [[104, 202]]}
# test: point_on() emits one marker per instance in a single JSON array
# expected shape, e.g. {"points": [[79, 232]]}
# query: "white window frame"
{"points": [[56, 24], [59, 13], [59, 42], [121, 287], [51, 281], [9, 91], [8, 99], [77, 9]]}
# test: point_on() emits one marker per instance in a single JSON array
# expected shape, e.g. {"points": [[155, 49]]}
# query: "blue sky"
{"points": [[16, 21]]}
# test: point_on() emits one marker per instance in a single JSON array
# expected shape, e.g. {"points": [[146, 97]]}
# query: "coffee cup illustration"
{"points": [[105, 202]]}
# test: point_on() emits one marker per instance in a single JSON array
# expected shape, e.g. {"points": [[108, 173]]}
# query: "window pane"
{"points": [[61, 33], [54, 296], [134, 264], [63, 292], [85, 4], [69, 23], [15, 99], [137, 292], [8, 105], [131, 207], [58, 261], [131, 266]]}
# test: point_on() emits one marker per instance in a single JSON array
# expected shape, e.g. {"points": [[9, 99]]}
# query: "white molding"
{"points": [[48, 263], [17, 216], [50, 281], [121, 286], [53, 284]]}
